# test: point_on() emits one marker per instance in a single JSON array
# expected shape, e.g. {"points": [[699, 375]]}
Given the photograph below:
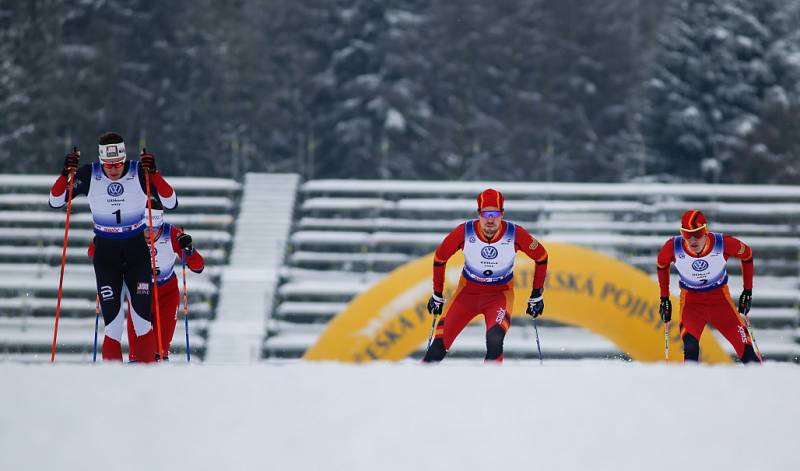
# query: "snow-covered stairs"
{"points": [[248, 283]]}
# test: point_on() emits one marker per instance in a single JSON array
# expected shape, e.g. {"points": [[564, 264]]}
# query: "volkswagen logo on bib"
{"points": [[115, 189], [699, 265], [489, 252]]}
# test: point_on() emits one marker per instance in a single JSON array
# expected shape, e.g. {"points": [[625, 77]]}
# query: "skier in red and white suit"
{"points": [[177, 244], [700, 258], [486, 286]]}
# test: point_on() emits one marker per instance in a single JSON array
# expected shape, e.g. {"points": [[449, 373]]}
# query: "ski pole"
{"points": [[70, 182], [433, 329], [185, 309], [157, 315], [96, 326], [666, 341], [752, 337], [538, 346]]}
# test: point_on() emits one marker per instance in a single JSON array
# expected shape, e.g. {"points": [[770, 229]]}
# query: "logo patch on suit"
{"points": [[143, 288], [115, 189], [501, 314], [699, 265], [489, 252]]}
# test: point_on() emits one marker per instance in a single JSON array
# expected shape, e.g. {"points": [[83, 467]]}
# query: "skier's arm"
{"points": [[734, 247], [182, 244], [665, 257], [165, 192], [534, 249], [450, 245], [58, 192]]}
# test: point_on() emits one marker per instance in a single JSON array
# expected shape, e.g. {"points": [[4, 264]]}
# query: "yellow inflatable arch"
{"points": [[584, 288]]}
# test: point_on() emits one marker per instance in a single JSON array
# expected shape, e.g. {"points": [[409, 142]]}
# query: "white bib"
{"points": [[701, 273], [118, 206], [489, 263], [165, 255]]}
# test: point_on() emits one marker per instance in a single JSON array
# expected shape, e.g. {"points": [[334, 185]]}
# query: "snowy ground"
{"points": [[586, 415]]}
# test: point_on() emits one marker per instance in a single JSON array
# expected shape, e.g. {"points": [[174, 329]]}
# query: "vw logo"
{"points": [[699, 265], [489, 252], [115, 189]]}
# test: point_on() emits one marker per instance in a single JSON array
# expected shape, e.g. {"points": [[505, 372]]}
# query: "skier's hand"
{"points": [[435, 304], [71, 163], [744, 301], [665, 309], [535, 304], [148, 161], [185, 241]]}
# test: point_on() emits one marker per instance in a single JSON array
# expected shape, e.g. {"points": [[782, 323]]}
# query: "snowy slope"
{"points": [[461, 415]]}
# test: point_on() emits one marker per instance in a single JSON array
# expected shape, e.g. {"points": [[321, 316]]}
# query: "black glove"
{"points": [[535, 304], [744, 301], [71, 162], [148, 161], [435, 304], [185, 241], [665, 309]]}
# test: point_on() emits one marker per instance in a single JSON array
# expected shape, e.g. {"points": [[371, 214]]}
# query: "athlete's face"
{"points": [[114, 168], [489, 219], [695, 240]]}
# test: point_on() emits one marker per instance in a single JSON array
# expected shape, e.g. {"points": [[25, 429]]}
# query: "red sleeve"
{"points": [[450, 245], [665, 257], [526, 243], [733, 247], [59, 187], [194, 260], [164, 189]]}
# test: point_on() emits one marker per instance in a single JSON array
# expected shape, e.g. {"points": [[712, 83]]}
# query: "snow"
{"points": [[518, 189], [461, 415]]}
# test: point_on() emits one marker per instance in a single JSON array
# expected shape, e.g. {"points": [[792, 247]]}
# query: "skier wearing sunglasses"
{"points": [[486, 286], [116, 189], [700, 258]]}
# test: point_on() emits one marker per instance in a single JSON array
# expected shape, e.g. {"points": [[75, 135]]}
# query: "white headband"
{"points": [[113, 151]]}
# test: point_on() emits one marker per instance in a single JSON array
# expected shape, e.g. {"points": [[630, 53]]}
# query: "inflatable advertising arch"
{"points": [[584, 288]]}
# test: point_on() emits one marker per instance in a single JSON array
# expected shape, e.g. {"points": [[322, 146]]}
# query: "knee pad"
{"points": [[494, 342], [691, 348], [436, 352], [749, 354]]}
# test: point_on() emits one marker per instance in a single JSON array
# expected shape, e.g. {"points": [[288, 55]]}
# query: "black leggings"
{"points": [[123, 260]]}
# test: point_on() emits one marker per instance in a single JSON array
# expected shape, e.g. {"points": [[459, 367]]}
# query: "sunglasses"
{"points": [[491, 214], [698, 234], [113, 165]]}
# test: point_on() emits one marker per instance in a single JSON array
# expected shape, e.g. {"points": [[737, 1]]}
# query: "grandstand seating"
{"points": [[31, 235], [349, 234]]}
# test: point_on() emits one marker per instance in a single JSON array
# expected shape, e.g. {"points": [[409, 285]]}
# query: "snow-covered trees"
{"points": [[724, 77]]}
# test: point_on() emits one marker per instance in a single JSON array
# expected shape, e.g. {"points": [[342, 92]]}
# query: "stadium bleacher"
{"points": [[345, 235], [31, 235], [349, 234]]}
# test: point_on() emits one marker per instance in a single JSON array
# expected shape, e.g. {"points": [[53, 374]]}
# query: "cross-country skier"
{"points": [[171, 242], [116, 189], [486, 286], [700, 257]]}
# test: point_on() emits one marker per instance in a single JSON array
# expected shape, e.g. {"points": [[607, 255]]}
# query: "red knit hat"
{"points": [[693, 222], [490, 197]]}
